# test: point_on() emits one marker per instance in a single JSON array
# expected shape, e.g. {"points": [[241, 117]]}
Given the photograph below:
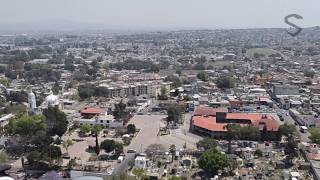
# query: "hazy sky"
{"points": [[162, 13]]}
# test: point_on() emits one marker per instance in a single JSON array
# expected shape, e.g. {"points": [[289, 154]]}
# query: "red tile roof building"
{"points": [[213, 121], [93, 111]]}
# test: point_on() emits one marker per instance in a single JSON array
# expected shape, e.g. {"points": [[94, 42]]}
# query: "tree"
{"points": [[3, 157], [225, 82], [108, 145], [174, 79], [207, 143], [96, 129], [203, 76], [172, 151], [84, 129], [131, 129], [118, 148], [213, 160], [258, 153], [86, 91], [67, 143], [315, 135], [68, 65], [163, 93], [233, 134], [56, 88], [34, 156], [56, 121], [26, 126], [120, 110], [4, 81], [139, 173], [154, 68], [51, 153], [249, 133], [291, 149], [174, 113], [287, 129]]}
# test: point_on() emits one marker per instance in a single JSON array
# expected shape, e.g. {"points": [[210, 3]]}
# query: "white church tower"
{"points": [[32, 104]]}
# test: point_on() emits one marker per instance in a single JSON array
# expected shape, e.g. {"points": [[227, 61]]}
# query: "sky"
{"points": [[158, 14]]}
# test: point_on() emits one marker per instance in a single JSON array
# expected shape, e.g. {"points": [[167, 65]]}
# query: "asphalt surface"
{"points": [[149, 127], [304, 137]]}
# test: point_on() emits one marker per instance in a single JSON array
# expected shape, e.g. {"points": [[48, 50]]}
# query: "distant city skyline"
{"points": [[149, 14]]}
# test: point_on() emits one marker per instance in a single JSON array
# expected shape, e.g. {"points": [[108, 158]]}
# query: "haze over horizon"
{"points": [[150, 14]]}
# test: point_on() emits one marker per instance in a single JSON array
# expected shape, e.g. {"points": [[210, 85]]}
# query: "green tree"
{"points": [[86, 91], [108, 145], [249, 133], [203, 76], [174, 79], [34, 156], [3, 157], [56, 88], [51, 153], [287, 129], [225, 82], [120, 110], [233, 134], [258, 153], [4, 81], [118, 149], [139, 173], [207, 143], [96, 129], [131, 129], [174, 113], [213, 160], [291, 149], [25, 127], [315, 135], [56, 121], [163, 93], [84, 129]]}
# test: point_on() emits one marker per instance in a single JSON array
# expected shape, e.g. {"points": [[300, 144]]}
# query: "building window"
{"points": [[101, 121]]}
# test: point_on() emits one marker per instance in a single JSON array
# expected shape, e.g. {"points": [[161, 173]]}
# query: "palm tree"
{"points": [[172, 150], [96, 130], [66, 144]]}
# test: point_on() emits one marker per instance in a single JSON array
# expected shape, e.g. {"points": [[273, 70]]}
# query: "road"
{"points": [[149, 127], [304, 137]]}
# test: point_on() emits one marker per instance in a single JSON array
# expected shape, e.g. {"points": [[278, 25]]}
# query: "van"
{"points": [[303, 129]]}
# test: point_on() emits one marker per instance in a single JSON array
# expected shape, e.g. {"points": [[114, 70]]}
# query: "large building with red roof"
{"points": [[213, 121]]}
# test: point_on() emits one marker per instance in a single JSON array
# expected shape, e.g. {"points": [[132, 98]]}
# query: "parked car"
{"points": [[131, 151]]}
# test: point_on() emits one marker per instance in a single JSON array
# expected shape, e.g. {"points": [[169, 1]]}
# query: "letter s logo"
{"points": [[298, 29]]}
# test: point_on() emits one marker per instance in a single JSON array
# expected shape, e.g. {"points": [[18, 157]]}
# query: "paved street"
{"points": [[149, 127], [304, 137], [181, 136]]}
